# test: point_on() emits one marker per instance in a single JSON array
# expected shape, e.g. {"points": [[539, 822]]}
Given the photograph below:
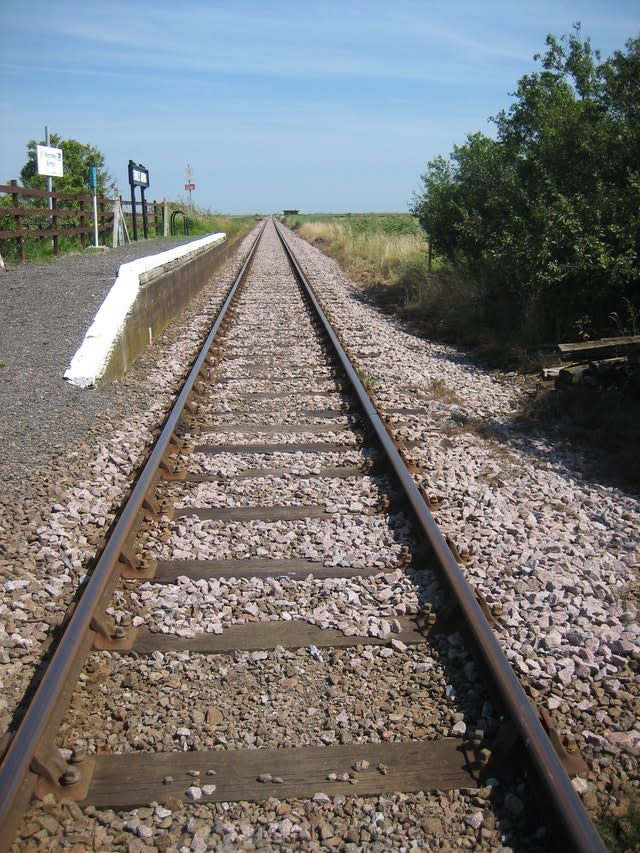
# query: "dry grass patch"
{"points": [[370, 249]]}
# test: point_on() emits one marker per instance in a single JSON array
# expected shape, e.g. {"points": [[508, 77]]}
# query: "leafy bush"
{"points": [[546, 218]]}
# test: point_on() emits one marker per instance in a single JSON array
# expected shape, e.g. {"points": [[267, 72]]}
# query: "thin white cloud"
{"points": [[361, 41], [297, 89]]}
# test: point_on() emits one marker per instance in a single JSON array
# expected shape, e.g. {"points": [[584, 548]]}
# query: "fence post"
{"points": [[165, 218], [102, 219], [156, 218], [145, 218], [83, 222], [15, 201], [55, 242], [120, 230]]}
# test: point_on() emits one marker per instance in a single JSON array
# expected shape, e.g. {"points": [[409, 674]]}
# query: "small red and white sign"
{"points": [[189, 187]]}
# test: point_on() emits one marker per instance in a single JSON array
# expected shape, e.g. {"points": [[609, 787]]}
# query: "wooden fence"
{"points": [[70, 215]]}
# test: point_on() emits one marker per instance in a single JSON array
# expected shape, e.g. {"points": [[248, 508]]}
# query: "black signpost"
{"points": [[138, 177]]}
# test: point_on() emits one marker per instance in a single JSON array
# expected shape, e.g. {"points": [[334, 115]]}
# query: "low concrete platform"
{"points": [[45, 311], [146, 294]]}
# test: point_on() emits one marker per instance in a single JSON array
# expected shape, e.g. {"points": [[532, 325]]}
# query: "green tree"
{"points": [[546, 217], [77, 157]]}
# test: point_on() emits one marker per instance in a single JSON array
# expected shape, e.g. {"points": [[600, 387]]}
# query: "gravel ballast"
{"points": [[555, 555]]}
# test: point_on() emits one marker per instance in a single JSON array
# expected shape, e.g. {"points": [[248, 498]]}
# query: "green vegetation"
{"points": [[77, 157], [539, 229], [37, 250], [535, 234], [203, 222], [374, 249], [620, 831], [366, 378], [536, 240]]}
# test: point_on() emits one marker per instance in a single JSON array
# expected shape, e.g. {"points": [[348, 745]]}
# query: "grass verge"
{"points": [[387, 255], [373, 249]]}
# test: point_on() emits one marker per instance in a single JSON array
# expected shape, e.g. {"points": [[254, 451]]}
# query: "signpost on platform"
{"points": [[189, 185], [49, 162], [138, 177], [93, 183]]}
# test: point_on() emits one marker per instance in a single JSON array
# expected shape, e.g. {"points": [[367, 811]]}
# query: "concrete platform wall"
{"points": [[164, 292]]}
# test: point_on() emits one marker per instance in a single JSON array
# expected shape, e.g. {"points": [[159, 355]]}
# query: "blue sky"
{"points": [[322, 106]]}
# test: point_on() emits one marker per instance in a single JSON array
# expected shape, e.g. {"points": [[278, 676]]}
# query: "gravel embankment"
{"points": [[556, 555], [46, 310]]}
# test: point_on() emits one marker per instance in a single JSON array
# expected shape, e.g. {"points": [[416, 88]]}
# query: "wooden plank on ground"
{"points": [[168, 570], [286, 395], [272, 429], [135, 779], [311, 447], [305, 413], [235, 385], [268, 347], [326, 413], [257, 473], [253, 513], [272, 372], [264, 513], [624, 342], [254, 636], [408, 410]]}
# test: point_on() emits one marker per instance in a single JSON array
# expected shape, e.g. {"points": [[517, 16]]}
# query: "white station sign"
{"points": [[49, 161]]}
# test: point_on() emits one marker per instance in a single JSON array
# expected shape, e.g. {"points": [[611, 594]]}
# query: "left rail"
{"points": [[31, 753]]}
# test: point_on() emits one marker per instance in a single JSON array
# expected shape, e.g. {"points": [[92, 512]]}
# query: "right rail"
{"points": [[33, 757]]}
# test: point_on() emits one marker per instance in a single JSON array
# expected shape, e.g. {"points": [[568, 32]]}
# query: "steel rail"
{"points": [[15, 768], [570, 812]]}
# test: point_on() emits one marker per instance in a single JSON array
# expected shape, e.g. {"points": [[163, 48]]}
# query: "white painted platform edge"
{"points": [[91, 359]]}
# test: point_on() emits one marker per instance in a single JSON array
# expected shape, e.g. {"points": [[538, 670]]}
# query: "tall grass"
{"points": [[375, 249], [205, 222]]}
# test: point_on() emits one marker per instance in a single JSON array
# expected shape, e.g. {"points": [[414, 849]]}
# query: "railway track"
{"points": [[276, 616]]}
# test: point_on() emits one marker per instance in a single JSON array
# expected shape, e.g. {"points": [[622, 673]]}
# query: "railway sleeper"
{"points": [[125, 781]]}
